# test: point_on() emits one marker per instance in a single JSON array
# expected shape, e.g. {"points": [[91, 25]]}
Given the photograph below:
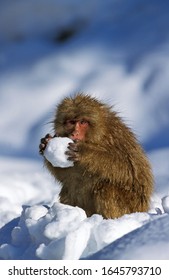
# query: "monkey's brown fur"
{"points": [[113, 176]]}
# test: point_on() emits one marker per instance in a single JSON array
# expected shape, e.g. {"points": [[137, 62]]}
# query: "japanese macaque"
{"points": [[111, 175]]}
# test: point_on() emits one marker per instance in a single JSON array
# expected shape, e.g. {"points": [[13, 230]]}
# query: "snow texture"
{"points": [[55, 152], [151, 240], [50, 49]]}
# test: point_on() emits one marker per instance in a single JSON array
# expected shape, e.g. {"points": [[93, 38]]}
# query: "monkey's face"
{"points": [[76, 129], [81, 118]]}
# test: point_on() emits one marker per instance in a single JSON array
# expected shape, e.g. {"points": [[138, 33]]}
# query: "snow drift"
{"points": [[64, 232]]}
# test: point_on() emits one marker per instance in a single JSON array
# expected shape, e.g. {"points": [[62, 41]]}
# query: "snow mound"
{"points": [[64, 232], [55, 152], [150, 242]]}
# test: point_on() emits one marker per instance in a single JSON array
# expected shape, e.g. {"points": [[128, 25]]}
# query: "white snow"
{"points": [[118, 52], [165, 203], [55, 152]]}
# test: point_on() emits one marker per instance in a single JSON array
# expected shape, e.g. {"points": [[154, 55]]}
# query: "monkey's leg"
{"points": [[108, 202]]}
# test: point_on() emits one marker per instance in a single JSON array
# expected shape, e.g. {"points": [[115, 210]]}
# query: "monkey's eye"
{"points": [[84, 122], [70, 122]]}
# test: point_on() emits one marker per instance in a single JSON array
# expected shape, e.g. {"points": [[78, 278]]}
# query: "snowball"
{"points": [[165, 203], [55, 152]]}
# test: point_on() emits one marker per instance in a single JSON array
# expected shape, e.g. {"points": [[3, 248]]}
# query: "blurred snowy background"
{"points": [[115, 50]]}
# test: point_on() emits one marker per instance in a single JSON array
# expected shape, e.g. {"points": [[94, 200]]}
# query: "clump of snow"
{"points": [[55, 152], [65, 232], [165, 203]]}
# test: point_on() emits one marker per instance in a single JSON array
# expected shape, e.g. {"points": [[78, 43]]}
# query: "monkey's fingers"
{"points": [[43, 143], [41, 148], [72, 155], [73, 147], [46, 139]]}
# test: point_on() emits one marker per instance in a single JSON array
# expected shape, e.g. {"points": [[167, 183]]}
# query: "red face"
{"points": [[78, 129]]}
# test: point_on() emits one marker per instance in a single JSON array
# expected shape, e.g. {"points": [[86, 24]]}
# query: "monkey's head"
{"points": [[81, 117]]}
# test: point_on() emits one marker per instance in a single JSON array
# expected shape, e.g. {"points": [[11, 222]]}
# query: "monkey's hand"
{"points": [[43, 142], [73, 151]]}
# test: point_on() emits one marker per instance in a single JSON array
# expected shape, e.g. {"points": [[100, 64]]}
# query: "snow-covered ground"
{"points": [[115, 50]]}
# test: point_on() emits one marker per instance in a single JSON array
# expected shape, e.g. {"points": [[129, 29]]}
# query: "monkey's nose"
{"points": [[74, 135]]}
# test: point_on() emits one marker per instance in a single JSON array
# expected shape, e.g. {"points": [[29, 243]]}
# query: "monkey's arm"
{"points": [[57, 172], [98, 160]]}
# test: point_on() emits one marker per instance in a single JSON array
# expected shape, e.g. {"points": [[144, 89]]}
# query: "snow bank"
{"points": [[64, 232], [150, 242]]}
